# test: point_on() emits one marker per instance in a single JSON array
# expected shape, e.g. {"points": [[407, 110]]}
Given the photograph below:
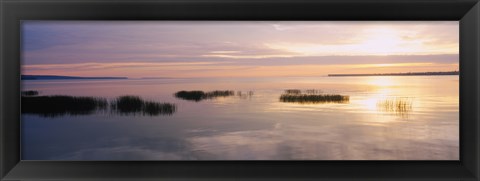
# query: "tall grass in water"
{"points": [[155, 108], [30, 93], [246, 95], [127, 105], [293, 91], [52, 106], [314, 98], [197, 95], [313, 91], [190, 95], [311, 96], [398, 105], [218, 93], [298, 91]]}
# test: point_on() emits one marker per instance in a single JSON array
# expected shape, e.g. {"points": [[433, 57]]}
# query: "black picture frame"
{"points": [[14, 11]]}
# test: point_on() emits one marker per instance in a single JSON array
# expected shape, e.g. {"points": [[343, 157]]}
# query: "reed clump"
{"points": [[30, 93], [155, 108], [314, 98], [218, 93], [197, 95], [134, 104], [190, 95], [313, 91], [51, 106], [59, 105], [399, 105], [298, 91], [245, 95], [293, 91], [127, 104]]}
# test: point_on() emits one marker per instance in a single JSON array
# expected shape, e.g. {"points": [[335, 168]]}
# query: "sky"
{"points": [[181, 49]]}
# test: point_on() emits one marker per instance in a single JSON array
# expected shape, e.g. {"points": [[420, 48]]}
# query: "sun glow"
{"points": [[371, 102], [375, 41]]}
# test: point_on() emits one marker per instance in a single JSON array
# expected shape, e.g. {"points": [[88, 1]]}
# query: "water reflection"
{"points": [[382, 81], [126, 148], [390, 97]]}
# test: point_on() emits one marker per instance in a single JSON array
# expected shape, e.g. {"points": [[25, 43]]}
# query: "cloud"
{"points": [[218, 67], [132, 47], [118, 51], [70, 41]]}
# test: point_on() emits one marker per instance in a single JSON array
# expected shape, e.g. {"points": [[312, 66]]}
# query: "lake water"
{"points": [[254, 126]]}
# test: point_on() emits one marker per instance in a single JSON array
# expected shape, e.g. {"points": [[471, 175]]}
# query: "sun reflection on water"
{"points": [[381, 81]]}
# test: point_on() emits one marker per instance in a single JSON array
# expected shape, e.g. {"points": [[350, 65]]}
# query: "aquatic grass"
{"points": [[59, 105], [314, 98], [198, 95], [218, 93], [30, 93], [293, 91], [399, 105], [242, 95], [52, 106], [298, 91], [132, 105], [155, 108], [190, 95], [127, 104], [313, 91]]}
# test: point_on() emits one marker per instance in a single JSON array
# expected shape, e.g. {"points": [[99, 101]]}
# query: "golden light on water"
{"points": [[371, 102], [381, 81], [382, 90]]}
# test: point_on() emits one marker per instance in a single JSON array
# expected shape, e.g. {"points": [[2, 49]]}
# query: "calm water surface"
{"points": [[254, 127]]}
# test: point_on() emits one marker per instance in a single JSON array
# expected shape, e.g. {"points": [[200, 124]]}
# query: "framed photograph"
{"points": [[240, 90]]}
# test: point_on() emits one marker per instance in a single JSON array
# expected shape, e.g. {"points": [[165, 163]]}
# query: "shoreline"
{"points": [[399, 74]]}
